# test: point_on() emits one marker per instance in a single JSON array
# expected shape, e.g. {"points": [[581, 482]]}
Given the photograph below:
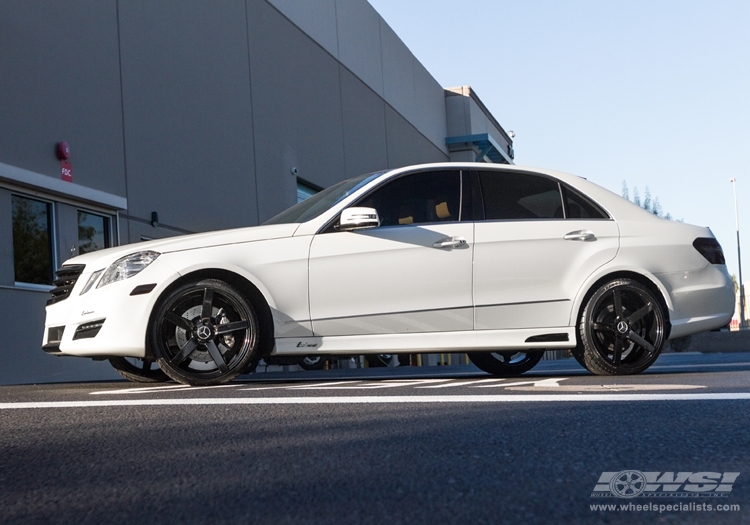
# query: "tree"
{"points": [[648, 204]]}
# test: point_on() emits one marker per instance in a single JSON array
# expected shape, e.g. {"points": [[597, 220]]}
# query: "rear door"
{"points": [[536, 242]]}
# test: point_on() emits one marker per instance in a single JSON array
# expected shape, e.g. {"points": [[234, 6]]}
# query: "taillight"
{"points": [[710, 248]]}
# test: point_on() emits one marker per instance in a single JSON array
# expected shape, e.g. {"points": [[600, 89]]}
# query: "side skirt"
{"points": [[524, 339]]}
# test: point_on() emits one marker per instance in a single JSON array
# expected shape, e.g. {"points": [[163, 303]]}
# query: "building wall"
{"points": [[195, 110]]}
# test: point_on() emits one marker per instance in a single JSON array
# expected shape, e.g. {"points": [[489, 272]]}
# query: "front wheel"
{"points": [[204, 333], [506, 363], [622, 328]]}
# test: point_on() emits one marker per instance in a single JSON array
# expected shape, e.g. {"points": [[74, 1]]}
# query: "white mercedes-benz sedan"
{"points": [[501, 262]]}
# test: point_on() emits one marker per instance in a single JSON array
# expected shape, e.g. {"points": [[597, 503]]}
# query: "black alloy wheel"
{"points": [[204, 333], [138, 370], [506, 363], [378, 360], [622, 328]]}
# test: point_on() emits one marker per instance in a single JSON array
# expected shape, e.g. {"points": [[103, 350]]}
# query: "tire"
{"points": [[252, 365], [204, 333], [378, 360], [506, 363], [313, 362], [577, 354], [138, 370], [622, 328]]}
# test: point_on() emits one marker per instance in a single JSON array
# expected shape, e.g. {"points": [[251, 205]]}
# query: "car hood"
{"points": [[103, 258]]}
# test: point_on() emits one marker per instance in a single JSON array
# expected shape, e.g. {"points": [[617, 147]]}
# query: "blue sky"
{"points": [[655, 93]]}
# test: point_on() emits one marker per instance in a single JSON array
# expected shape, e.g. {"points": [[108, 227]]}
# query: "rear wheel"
{"points": [[204, 333], [622, 329], [378, 360], [138, 370], [506, 363]]}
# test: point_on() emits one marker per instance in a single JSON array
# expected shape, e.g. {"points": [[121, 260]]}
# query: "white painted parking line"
{"points": [[354, 385], [327, 384], [552, 382], [463, 383], [633, 387], [171, 388], [345, 400], [141, 390]]}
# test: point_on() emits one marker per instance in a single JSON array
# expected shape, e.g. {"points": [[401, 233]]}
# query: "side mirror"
{"points": [[358, 219]]}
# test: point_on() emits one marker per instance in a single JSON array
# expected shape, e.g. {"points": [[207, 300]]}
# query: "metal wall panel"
{"points": [[60, 80], [364, 126], [296, 110], [188, 119], [317, 19]]}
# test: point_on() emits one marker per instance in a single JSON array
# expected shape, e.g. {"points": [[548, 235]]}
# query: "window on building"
{"points": [[305, 190], [93, 232], [32, 241]]}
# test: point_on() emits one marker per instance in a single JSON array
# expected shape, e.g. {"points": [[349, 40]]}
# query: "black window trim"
{"points": [[478, 198], [330, 226], [53, 244]]}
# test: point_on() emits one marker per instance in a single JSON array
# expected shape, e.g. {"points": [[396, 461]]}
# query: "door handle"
{"points": [[450, 242], [580, 235]]}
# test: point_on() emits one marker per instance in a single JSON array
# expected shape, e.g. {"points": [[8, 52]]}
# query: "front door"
{"points": [[410, 275]]}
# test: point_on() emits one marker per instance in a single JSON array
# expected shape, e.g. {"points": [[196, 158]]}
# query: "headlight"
{"points": [[92, 281], [127, 267]]}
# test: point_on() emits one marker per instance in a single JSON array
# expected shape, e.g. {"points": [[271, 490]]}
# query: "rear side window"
{"points": [[580, 207], [523, 196], [509, 196]]}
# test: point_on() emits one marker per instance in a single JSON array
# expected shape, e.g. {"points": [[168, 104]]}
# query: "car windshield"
{"points": [[320, 202]]}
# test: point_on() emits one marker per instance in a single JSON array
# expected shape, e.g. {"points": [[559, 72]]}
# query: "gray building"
{"points": [[193, 116]]}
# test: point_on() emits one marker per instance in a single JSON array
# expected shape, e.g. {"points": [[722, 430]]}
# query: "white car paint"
{"points": [[390, 289]]}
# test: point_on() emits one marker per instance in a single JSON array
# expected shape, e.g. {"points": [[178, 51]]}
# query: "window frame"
{"points": [[108, 227], [478, 199], [464, 200], [52, 229]]}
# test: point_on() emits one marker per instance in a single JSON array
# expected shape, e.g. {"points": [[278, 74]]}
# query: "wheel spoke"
{"points": [[208, 299], [617, 352], [184, 352], [617, 303], [146, 365], [231, 327], [637, 339], [179, 321], [601, 327], [640, 313], [216, 356]]}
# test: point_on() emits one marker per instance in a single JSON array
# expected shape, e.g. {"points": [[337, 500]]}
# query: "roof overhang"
{"points": [[486, 148]]}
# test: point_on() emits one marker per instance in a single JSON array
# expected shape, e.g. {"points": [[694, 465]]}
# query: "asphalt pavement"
{"points": [[397, 445]]}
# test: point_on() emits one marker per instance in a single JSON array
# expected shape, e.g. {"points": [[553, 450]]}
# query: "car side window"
{"points": [[514, 196], [579, 207], [418, 198]]}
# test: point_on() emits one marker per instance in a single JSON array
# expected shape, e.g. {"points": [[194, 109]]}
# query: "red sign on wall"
{"points": [[66, 171]]}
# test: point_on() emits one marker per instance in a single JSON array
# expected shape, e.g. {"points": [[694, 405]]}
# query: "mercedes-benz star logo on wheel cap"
{"points": [[203, 332]]}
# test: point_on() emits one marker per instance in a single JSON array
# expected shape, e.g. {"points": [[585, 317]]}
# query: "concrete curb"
{"points": [[712, 342]]}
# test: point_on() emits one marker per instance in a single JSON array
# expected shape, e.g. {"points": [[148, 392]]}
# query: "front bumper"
{"points": [[107, 321]]}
